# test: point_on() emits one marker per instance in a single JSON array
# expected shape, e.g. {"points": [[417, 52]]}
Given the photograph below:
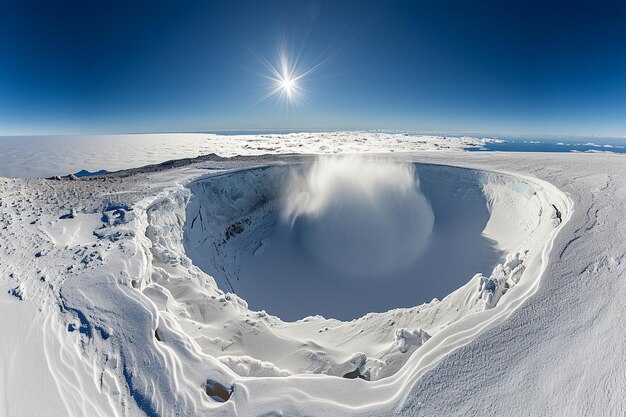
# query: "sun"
{"points": [[286, 78], [288, 73], [288, 85]]}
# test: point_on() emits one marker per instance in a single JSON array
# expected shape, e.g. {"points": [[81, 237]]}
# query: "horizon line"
{"points": [[306, 129]]}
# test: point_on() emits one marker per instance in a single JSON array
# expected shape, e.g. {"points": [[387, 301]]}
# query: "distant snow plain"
{"points": [[115, 297], [46, 156]]}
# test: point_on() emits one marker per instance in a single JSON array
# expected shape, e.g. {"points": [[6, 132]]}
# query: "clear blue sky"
{"points": [[499, 67]]}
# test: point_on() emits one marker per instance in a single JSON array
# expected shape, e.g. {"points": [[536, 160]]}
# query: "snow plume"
{"points": [[361, 216]]}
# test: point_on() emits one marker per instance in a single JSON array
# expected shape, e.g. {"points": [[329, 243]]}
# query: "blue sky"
{"points": [[493, 67]]}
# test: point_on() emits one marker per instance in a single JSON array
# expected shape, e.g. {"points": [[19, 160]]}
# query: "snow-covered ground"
{"points": [[105, 309]]}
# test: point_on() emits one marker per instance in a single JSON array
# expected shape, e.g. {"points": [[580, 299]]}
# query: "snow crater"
{"points": [[235, 266], [345, 236]]}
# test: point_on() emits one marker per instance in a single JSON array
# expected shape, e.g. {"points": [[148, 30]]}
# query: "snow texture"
{"points": [[113, 317]]}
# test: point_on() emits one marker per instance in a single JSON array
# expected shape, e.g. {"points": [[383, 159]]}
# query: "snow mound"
{"points": [[405, 339], [503, 277]]}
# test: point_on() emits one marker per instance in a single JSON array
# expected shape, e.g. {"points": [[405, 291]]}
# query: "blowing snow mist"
{"points": [[360, 216]]}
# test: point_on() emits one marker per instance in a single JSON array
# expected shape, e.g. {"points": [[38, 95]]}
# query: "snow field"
{"points": [[134, 327]]}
